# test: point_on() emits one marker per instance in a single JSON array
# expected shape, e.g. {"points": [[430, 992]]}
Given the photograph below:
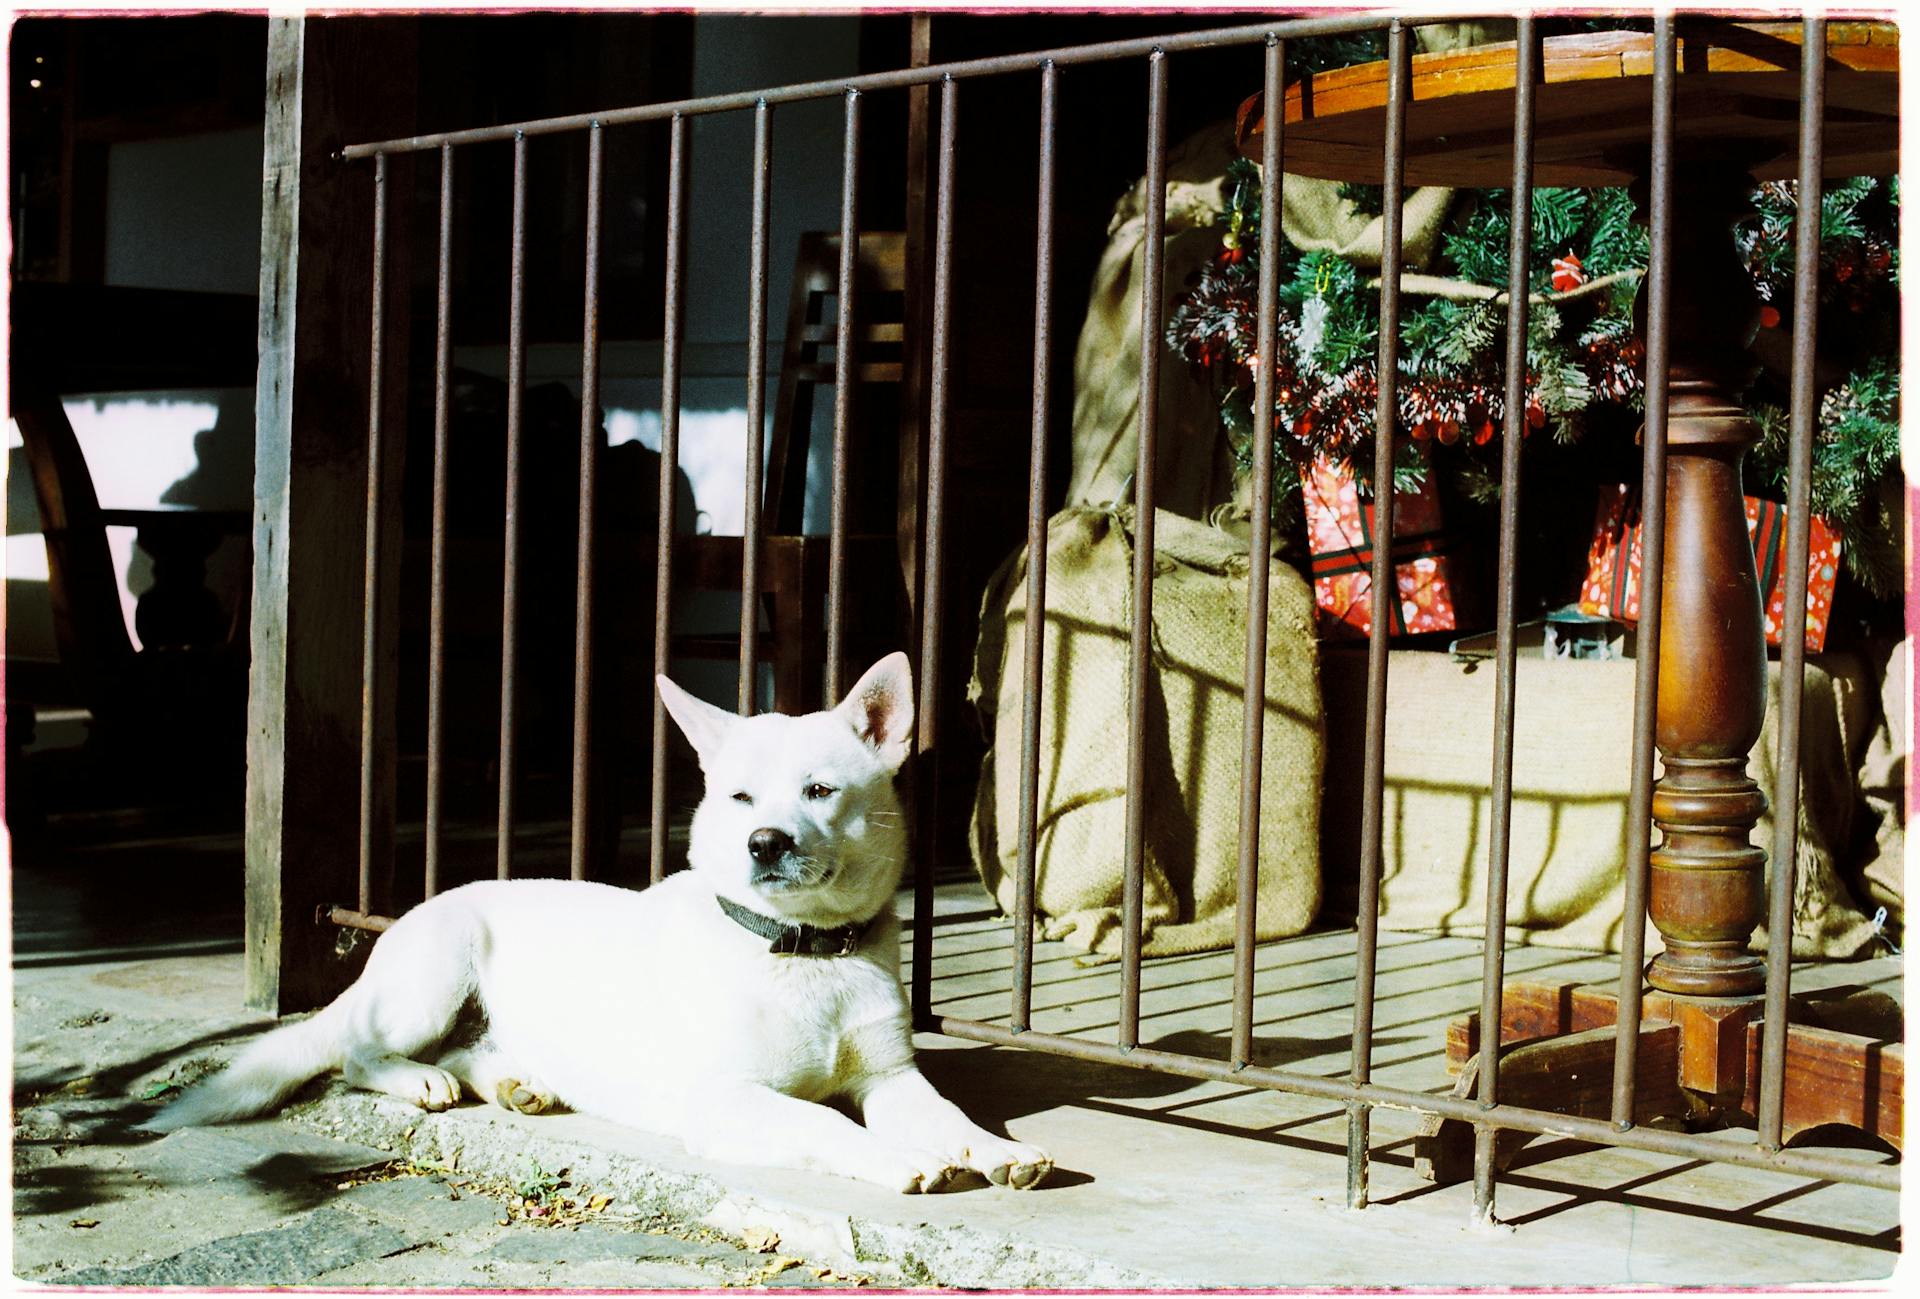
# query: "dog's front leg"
{"points": [[751, 1124], [904, 1108]]}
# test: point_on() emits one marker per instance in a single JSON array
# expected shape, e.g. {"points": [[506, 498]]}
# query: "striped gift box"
{"points": [[1612, 585], [1340, 536]]}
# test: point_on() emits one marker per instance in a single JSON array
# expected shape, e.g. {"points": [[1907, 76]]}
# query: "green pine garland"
{"points": [[1856, 450], [1580, 350], [1582, 353]]}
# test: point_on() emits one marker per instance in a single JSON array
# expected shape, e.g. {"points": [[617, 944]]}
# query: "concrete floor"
{"points": [[1273, 1165], [1160, 1181]]}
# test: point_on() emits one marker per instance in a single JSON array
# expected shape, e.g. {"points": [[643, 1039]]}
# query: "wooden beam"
{"points": [[1833, 1078], [1572, 1074], [330, 81]]}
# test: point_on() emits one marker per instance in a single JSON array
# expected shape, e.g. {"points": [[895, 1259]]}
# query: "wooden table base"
{"points": [[1698, 1064]]}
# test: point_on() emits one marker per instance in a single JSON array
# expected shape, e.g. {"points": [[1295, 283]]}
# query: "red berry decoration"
{"points": [[1567, 273]]}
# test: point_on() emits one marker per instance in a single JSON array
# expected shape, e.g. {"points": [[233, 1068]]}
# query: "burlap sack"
{"points": [[1195, 469], [1194, 732], [1883, 785], [1572, 763]]}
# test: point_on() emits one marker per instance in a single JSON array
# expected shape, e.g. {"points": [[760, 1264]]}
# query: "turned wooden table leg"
{"points": [[1706, 890]]}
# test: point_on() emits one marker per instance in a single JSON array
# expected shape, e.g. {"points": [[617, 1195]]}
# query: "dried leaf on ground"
{"points": [[761, 1240]]}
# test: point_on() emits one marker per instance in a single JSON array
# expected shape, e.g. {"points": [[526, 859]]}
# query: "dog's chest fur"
{"points": [[811, 1025]]}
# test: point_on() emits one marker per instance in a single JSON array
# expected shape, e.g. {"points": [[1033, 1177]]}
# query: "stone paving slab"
{"points": [[311, 1245], [592, 1243], [437, 1268], [422, 1204]]}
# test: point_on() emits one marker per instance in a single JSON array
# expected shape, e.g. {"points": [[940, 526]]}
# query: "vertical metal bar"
{"points": [[1385, 595], [510, 594], [1140, 663], [1653, 549], [437, 579], [675, 327], [1036, 558], [1253, 732], [756, 410], [589, 464], [1793, 617], [1519, 256], [933, 588], [376, 459], [846, 372]]}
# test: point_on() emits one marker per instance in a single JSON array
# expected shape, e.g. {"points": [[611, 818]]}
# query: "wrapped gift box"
{"points": [[1340, 535], [1612, 586]]}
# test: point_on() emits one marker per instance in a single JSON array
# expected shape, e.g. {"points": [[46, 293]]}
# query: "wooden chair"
{"points": [[793, 566], [174, 711], [184, 694]]}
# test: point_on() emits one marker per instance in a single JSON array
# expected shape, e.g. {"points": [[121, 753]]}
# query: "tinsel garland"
{"points": [[1450, 389], [1583, 356]]}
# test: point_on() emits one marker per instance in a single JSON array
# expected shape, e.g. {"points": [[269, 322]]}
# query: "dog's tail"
{"points": [[264, 1074]]}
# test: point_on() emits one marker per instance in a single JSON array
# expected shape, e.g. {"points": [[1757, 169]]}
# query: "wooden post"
{"points": [[917, 356], [1706, 888], [330, 82]]}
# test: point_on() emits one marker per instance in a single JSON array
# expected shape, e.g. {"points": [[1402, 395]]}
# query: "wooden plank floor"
{"points": [[1303, 1017]]}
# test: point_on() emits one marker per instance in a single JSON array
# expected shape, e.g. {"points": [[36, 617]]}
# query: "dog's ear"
{"points": [[704, 725], [879, 708]]}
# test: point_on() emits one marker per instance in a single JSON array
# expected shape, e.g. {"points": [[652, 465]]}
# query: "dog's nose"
{"points": [[769, 846]]}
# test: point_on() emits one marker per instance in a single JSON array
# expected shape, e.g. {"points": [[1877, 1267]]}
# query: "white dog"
{"points": [[720, 1006]]}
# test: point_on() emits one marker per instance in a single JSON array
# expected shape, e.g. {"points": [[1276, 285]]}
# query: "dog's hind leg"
{"points": [[415, 985], [491, 1075]]}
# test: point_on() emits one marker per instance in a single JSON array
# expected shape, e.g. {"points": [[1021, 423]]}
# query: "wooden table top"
{"points": [[1736, 96]]}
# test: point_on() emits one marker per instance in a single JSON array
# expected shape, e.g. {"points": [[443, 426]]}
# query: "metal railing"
{"points": [[1357, 1092]]}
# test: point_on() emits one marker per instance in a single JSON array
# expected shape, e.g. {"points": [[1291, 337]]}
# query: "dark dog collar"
{"points": [[795, 940]]}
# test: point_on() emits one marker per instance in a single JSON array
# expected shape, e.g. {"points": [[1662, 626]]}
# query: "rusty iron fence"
{"points": [[1357, 1092]]}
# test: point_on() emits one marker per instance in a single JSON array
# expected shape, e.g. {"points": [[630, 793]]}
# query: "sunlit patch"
{"points": [[713, 455], [27, 558], [138, 447]]}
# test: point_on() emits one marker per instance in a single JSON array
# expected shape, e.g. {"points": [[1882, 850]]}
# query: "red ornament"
{"points": [[1449, 432], [1484, 434], [1229, 256], [1769, 317], [1567, 273], [1536, 415]]}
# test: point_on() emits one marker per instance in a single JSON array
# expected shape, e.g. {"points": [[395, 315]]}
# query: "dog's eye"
{"points": [[742, 796], [817, 790]]}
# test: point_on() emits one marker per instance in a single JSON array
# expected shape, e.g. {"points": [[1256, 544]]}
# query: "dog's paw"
{"points": [[920, 1174], [512, 1094], [1009, 1163], [433, 1089]]}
